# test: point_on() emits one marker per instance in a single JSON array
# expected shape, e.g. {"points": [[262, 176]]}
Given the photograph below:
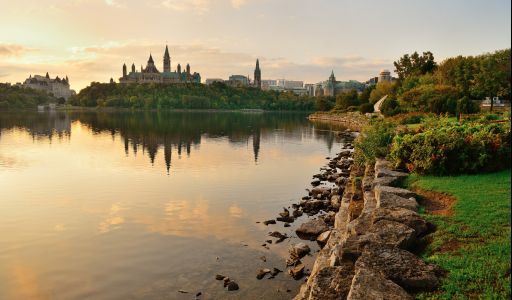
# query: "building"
{"points": [[310, 88], [332, 87], [57, 87], [238, 80], [257, 75], [151, 74], [385, 75], [290, 84]]}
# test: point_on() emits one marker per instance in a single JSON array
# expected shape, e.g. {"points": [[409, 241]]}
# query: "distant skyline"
{"points": [[89, 40]]}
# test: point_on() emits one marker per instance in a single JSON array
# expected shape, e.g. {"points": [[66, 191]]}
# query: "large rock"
{"points": [[299, 250], [393, 190], [332, 283], [370, 285], [311, 229], [387, 199], [393, 234], [320, 190], [385, 181], [404, 216], [314, 205], [336, 201], [323, 237], [400, 266]]}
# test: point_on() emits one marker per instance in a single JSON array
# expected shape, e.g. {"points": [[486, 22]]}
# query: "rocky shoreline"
{"points": [[369, 254], [353, 121]]}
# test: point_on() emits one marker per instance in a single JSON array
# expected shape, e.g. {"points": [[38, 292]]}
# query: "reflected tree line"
{"points": [[179, 132]]}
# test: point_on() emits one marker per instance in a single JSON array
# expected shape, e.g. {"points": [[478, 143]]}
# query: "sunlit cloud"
{"points": [[13, 50]]}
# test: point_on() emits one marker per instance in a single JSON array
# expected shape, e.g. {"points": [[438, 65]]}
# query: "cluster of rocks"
{"points": [[229, 284], [369, 252]]}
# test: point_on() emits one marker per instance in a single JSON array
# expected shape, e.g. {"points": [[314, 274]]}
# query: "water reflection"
{"points": [[88, 210], [172, 132]]}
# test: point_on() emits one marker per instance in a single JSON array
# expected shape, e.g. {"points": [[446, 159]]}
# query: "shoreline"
{"points": [[353, 121]]}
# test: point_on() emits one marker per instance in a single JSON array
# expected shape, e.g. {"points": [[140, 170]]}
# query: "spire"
{"points": [[166, 54], [257, 64], [47, 75], [150, 59]]}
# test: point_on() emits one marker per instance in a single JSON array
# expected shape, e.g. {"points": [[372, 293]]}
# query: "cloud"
{"points": [[196, 6], [13, 50]]}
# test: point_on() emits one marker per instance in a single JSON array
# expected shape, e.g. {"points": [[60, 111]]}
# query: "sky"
{"points": [[89, 40]]}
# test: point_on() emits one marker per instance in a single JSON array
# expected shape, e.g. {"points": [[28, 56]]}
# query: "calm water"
{"points": [[142, 205]]}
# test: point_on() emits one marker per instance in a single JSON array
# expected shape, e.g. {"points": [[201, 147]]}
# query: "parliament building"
{"points": [[150, 73]]}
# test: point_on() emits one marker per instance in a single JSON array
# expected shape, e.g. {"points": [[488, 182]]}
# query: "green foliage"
{"points": [[480, 267], [346, 99], [409, 118], [15, 97], [374, 141], [415, 64], [453, 148], [364, 97], [390, 107], [193, 96], [324, 103], [466, 106], [382, 89], [366, 108], [431, 98]]}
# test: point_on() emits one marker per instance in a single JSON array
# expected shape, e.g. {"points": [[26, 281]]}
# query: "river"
{"points": [[132, 205]]}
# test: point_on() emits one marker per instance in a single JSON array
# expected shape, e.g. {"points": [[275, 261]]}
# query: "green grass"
{"points": [[478, 263]]}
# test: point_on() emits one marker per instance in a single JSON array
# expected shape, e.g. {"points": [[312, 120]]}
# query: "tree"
{"points": [[493, 77], [415, 64], [346, 99], [382, 89]]}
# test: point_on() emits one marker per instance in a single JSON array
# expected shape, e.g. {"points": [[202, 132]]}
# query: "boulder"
{"points": [[391, 200], [402, 215], [332, 283], [335, 201], [368, 284], [232, 286], [314, 205], [267, 222], [384, 181], [393, 233], [297, 251], [400, 266], [389, 173], [297, 271], [262, 273], [394, 190], [311, 229], [323, 237], [287, 219], [320, 190], [316, 182]]}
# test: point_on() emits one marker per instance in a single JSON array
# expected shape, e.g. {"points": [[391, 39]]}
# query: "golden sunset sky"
{"points": [[89, 40]]}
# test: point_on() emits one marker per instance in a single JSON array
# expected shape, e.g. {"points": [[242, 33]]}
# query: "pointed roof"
{"points": [[150, 60], [257, 64], [47, 75], [166, 54]]}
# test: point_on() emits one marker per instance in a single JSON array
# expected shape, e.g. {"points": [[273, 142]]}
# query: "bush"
{"points": [[366, 108], [373, 142], [466, 106], [453, 148], [410, 118], [390, 107]]}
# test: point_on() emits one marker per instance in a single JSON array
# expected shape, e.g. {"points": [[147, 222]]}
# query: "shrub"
{"points": [[366, 108], [390, 107], [453, 148], [466, 106], [374, 141], [410, 118]]}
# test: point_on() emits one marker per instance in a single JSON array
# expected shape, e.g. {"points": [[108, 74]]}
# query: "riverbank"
{"points": [[355, 121]]}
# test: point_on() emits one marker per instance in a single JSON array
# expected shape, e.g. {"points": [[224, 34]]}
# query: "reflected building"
{"points": [[163, 133]]}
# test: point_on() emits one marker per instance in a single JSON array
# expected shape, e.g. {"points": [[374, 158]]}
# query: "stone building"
{"points": [[151, 74], [57, 87]]}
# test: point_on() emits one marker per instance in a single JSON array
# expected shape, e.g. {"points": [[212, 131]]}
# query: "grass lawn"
{"points": [[472, 244]]}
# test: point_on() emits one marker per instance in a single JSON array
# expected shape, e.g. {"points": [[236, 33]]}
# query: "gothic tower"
{"points": [[124, 70], [133, 68], [167, 60], [257, 75], [331, 84]]}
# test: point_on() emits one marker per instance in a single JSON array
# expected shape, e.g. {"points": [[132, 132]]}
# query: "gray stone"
{"points": [[320, 190], [394, 190], [370, 285], [402, 215], [332, 283], [262, 273], [389, 173], [232, 286], [387, 199], [299, 250], [312, 229], [400, 266], [393, 234]]}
